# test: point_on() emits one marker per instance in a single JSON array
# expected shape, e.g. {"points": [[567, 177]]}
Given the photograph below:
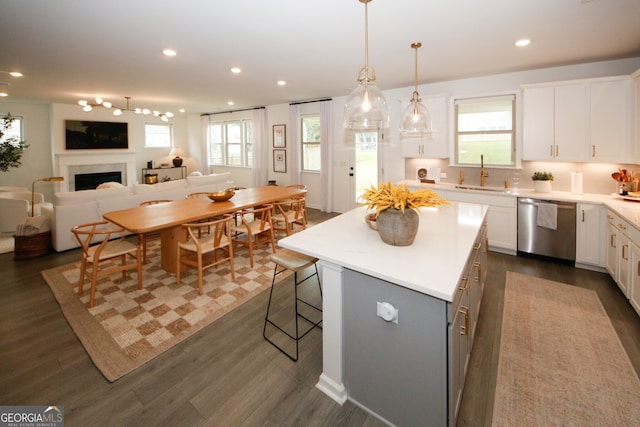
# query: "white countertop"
{"points": [[628, 209], [432, 265]]}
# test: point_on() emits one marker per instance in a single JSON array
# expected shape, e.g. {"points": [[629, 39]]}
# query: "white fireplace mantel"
{"points": [[66, 162]]}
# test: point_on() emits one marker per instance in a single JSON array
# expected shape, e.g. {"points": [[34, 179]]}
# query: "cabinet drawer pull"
{"points": [[625, 248], [551, 150], [582, 215], [556, 151], [466, 284], [593, 151], [612, 241], [465, 327], [478, 270], [638, 268]]}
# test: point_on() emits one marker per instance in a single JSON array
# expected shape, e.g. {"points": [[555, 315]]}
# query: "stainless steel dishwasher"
{"points": [[534, 239]]}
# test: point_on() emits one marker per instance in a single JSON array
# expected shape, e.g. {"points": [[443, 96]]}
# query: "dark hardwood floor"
{"points": [[227, 374]]}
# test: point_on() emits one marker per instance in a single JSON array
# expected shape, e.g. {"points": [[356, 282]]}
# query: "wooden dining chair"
{"points": [[192, 253], [288, 214], [301, 196], [256, 228], [144, 238], [107, 252]]}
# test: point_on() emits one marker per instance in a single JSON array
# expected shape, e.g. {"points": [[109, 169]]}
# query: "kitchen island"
{"points": [[398, 322]]}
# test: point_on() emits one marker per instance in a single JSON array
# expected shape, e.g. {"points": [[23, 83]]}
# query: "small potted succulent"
{"points": [[542, 181]]}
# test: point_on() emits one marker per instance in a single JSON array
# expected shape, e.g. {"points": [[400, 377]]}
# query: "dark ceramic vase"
{"points": [[397, 228]]}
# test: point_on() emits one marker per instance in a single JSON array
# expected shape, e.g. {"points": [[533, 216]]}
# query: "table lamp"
{"points": [[33, 188], [177, 152]]}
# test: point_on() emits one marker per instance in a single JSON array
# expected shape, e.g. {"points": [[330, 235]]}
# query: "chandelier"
{"points": [[416, 120], [366, 106], [117, 111]]}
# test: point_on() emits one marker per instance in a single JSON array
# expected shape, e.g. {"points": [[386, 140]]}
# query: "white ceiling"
{"points": [[73, 49]]}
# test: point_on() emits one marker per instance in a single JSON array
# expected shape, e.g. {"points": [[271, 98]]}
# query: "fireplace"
{"points": [[89, 181], [71, 164]]}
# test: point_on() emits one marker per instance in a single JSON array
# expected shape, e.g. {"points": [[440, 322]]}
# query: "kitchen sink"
{"points": [[488, 189]]}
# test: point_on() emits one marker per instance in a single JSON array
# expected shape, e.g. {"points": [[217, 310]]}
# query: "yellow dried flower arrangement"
{"points": [[399, 197]]}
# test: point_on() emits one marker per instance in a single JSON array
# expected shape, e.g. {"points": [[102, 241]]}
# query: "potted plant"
{"points": [[11, 149], [396, 210], [542, 181]]}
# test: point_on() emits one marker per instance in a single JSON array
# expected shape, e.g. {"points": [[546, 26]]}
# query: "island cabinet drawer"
{"points": [[461, 297]]}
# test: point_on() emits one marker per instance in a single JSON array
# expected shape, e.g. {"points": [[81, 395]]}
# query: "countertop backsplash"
{"points": [[596, 176]]}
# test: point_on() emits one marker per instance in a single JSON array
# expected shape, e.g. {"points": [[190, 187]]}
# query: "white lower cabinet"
{"points": [[502, 218], [619, 251], [590, 233], [634, 274]]}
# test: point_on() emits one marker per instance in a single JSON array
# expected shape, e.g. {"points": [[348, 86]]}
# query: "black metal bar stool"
{"points": [[286, 259]]}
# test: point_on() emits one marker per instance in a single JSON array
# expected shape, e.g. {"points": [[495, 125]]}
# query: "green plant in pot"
{"points": [[542, 181], [11, 149], [396, 208]]}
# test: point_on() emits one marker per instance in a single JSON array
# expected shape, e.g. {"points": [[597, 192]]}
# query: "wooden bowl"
{"points": [[221, 196]]}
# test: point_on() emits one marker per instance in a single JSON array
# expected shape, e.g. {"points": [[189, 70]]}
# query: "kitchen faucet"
{"points": [[483, 173]]}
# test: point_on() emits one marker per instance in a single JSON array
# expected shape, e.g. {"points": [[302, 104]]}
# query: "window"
{"points": [[231, 143], [311, 158], [158, 136], [14, 132], [485, 126]]}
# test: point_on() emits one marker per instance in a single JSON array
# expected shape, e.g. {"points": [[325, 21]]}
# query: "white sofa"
{"points": [[79, 207], [15, 208]]}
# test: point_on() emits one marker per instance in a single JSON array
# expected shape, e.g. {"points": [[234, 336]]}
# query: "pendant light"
{"points": [[366, 106], [416, 120]]}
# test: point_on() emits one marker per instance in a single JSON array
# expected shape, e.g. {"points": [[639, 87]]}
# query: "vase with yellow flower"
{"points": [[396, 210]]}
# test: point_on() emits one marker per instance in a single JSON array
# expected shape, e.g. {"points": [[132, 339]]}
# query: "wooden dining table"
{"points": [[169, 217]]}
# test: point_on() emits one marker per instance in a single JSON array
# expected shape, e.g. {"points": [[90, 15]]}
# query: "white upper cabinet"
{"points": [[555, 119], [579, 121], [438, 146], [610, 121], [636, 146]]}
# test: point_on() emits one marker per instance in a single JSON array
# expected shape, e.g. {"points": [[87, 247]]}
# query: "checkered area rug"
{"points": [[128, 326]]}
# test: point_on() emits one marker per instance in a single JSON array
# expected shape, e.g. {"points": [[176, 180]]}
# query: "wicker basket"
{"points": [[32, 246]]}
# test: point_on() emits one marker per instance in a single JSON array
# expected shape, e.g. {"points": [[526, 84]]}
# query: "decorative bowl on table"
{"points": [[370, 219], [221, 196]]}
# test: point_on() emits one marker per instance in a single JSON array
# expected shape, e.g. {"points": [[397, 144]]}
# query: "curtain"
{"points": [[326, 154], [260, 148], [295, 159], [204, 150]]}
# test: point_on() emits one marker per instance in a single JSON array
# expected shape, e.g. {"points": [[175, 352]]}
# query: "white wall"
{"points": [[36, 161]]}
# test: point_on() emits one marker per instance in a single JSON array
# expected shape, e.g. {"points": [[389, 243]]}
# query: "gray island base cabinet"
{"points": [[398, 322]]}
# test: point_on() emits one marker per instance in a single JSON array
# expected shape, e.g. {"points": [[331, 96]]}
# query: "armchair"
{"points": [[16, 206]]}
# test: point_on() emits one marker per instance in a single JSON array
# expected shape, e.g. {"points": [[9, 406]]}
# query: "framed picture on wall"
{"points": [[279, 136], [280, 160]]}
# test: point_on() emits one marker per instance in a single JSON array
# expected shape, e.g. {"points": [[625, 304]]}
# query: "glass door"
{"points": [[365, 171]]}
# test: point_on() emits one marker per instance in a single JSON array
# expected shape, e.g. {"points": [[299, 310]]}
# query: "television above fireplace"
{"points": [[87, 135]]}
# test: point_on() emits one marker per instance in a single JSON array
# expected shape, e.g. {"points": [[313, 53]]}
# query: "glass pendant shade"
{"points": [[366, 108], [416, 120]]}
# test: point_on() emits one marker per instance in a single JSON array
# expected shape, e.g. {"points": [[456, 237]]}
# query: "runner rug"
{"points": [[127, 327], [561, 362]]}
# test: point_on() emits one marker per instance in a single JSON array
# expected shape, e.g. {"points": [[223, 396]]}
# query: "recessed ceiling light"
{"points": [[523, 42], [182, 110], [169, 52], [236, 70], [3, 94], [230, 103], [281, 83], [16, 74]]}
